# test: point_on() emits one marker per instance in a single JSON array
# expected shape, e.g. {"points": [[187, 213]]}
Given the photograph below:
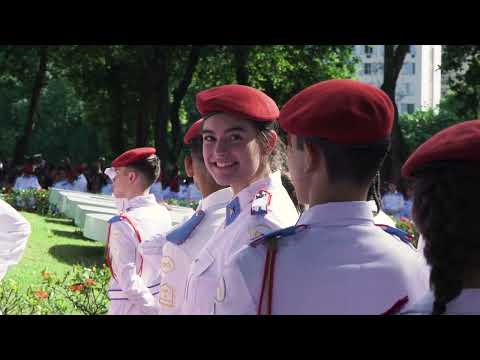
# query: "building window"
{"points": [[408, 89], [410, 108], [403, 108], [412, 50], [368, 69], [368, 50], [409, 69]]}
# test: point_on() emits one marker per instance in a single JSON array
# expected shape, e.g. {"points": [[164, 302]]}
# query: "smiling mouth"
{"points": [[224, 165]]}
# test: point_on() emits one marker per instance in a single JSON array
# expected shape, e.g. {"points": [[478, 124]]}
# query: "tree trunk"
{"points": [[117, 125], [394, 57], [39, 82], [240, 56], [162, 105], [143, 120], [179, 94]]}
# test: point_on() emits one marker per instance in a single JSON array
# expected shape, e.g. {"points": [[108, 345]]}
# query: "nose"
{"points": [[221, 147]]}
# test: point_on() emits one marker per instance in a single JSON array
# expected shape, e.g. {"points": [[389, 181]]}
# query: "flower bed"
{"points": [[81, 291], [408, 226], [30, 200]]}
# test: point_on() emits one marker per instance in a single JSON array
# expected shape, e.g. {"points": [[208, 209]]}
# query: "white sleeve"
{"points": [[123, 253], [14, 233], [37, 184], [17, 184]]}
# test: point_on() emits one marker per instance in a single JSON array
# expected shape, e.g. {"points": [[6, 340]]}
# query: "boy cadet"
{"points": [[335, 260], [184, 242], [135, 284]]}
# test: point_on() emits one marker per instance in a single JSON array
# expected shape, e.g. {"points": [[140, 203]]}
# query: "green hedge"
{"points": [[29, 200]]}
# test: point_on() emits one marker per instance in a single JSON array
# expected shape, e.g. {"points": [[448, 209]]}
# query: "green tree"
{"points": [[462, 63], [27, 66], [394, 56]]}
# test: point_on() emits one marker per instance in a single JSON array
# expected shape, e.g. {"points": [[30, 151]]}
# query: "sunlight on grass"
{"points": [[55, 245]]}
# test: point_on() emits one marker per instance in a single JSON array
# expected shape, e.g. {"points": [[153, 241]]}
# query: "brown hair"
{"points": [[149, 168], [445, 210]]}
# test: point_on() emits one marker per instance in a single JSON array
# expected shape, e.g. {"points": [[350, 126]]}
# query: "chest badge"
{"points": [[166, 264], [261, 202], [166, 295]]}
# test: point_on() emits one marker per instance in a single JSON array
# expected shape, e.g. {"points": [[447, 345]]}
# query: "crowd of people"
{"points": [[292, 228], [37, 173], [396, 204]]}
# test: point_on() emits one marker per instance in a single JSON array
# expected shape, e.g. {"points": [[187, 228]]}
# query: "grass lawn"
{"points": [[55, 245]]}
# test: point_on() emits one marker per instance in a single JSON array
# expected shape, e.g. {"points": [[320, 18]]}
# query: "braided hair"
{"points": [[374, 193], [445, 211]]}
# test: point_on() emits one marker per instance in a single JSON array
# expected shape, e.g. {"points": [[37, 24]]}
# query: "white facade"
{"points": [[419, 83]]}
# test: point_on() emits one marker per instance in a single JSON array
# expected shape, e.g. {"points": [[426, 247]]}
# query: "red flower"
{"points": [[76, 287], [40, 294], [89, 282]]}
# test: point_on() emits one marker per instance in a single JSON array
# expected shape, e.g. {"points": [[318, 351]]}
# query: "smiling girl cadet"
{"points": [[240, 150]]}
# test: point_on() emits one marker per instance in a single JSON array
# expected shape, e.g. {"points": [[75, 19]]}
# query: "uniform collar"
{"points": [[218, 197], [140, 201], [338, 213], [373, 206]]}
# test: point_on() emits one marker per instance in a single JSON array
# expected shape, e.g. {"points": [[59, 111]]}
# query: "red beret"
{"points": [[71, 174], [28, 169], [238, 99], [194, 131], [80, 168], [341, 111], [130, 156], [457, 142]]}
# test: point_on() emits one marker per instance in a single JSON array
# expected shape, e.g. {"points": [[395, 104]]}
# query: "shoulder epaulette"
{"points": [[402, 235], [278, 234]]}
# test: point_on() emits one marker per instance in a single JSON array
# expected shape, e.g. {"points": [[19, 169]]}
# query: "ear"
{"points": [[187, 162], [132, 176], [313, 157]]}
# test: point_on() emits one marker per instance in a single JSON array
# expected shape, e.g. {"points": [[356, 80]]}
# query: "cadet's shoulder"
{"points": [[120, 223], [397, 234], [276, 235], [115, 219]]}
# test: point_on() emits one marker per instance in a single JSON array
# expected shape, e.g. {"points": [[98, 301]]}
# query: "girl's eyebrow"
{"points": [[237, 128]]}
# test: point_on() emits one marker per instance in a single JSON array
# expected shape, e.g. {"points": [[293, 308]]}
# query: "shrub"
{"points": [[408, 226], [184, 203], [81, 291], [30, 200]]}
